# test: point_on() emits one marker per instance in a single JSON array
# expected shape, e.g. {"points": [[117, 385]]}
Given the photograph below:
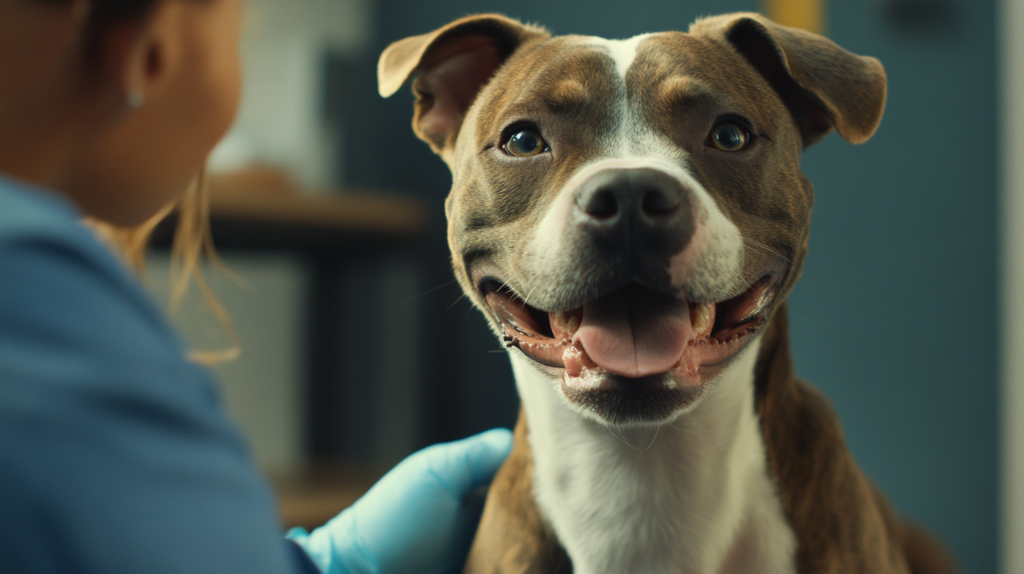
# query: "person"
{"points": [[115, 453]]}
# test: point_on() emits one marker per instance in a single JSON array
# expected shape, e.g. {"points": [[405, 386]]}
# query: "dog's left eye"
{"points": [[525, 142], [729, 137]]}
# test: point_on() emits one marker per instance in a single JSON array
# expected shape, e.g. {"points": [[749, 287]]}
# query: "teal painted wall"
{"points": [[896, 315]]}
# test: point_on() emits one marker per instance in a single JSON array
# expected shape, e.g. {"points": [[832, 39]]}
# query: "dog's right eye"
{"points": [[525, 142]]}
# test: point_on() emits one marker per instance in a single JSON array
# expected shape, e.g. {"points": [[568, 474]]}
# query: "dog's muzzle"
{"points": [[627, 324]]}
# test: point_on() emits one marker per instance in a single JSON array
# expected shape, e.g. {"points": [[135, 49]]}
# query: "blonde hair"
{"points": [[192, 245]]}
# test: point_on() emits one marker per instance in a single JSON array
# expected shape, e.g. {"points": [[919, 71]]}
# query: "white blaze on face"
{"points": [[708, 269], [710, 266], [623, 52]]}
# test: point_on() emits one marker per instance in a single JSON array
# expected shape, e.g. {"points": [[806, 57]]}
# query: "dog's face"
{"points": [[630, 213]]}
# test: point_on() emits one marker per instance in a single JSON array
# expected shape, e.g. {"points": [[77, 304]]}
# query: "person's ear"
{"points": [[138, 58]]}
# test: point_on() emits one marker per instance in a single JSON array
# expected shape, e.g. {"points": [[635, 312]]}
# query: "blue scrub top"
{"points": [[115, 452]]}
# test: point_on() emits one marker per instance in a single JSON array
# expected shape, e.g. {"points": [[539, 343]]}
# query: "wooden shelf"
{"points": [[352, 211], [310, 224]]}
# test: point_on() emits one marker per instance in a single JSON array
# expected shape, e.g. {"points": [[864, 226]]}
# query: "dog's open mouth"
{"points": [[633, 333]]}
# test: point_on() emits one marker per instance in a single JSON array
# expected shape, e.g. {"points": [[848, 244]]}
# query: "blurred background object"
{"points": [[806, 14], [281, 121], [357, 347]]}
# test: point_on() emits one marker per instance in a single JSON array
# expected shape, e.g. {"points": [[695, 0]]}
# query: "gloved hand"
{"points": [[418, 519]]}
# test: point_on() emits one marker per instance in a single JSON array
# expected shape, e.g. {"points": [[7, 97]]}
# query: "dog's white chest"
{"points": [[692, 497]]}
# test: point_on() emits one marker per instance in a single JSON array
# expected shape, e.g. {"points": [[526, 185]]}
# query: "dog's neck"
{"points": [[694, 495]]}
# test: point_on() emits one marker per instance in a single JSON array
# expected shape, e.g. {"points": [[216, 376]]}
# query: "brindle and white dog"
{"points": [[631, 215]]}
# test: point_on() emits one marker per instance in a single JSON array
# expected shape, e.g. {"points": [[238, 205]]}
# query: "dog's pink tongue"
{"points": [[635, 332]]}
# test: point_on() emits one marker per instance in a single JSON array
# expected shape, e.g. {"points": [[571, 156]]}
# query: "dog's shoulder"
{"points": [[513, 537], [841, 521]]}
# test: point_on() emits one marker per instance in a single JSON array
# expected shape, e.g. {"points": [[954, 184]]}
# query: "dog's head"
{"points": [[630, 213]]}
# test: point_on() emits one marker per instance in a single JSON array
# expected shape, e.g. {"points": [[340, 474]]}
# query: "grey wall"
{"points": [[895, 318]]}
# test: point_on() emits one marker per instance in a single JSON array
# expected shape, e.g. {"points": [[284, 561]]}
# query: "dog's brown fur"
{"points": [[841, 522]]}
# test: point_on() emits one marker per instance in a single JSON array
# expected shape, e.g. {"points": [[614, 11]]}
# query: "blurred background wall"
{"points": [[896, 318]]}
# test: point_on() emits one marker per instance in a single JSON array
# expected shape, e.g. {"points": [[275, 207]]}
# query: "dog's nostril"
{"points": [[657, 202], [602, 205]]}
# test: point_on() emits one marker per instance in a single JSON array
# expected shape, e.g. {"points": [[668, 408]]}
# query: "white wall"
{"points": [[283, 48], [263, 389], [1012, 353]]}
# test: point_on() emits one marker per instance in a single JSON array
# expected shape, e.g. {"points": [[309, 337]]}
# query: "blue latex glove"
{"points": [[419, 519]]}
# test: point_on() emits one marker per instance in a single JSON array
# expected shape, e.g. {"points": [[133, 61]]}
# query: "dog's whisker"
{"points": [[620, 436], [454, 303], [753, 243], [657, 430], [531, 290], [428, 292]]}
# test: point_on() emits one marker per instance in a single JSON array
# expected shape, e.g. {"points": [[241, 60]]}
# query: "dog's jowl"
{"points": [[630, 215]]}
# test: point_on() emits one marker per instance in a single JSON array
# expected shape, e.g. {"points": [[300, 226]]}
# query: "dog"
{"points": [[630, 216]]}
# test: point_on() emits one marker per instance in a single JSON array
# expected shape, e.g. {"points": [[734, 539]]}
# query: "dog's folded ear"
{"points": [[823, 85], [454, 63]]}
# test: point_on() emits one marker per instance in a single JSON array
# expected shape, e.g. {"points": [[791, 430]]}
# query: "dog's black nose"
{"points": [[616, 193], [637, 209]]}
